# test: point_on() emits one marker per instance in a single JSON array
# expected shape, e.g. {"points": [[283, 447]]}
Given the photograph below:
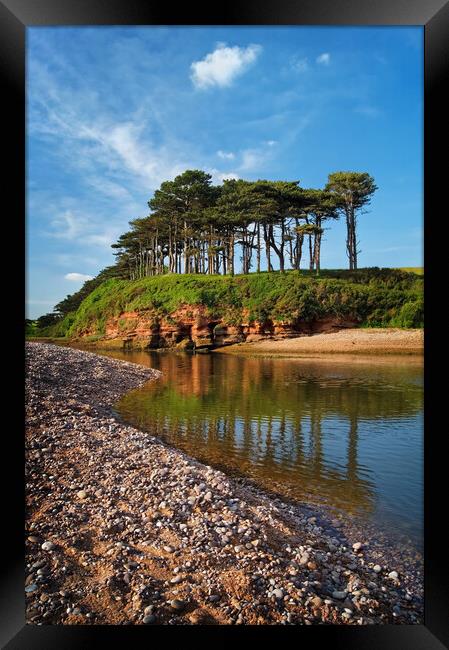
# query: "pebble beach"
{"points": [[123, 529]]}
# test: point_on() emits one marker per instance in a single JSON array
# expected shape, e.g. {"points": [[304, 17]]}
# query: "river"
{"points": [[344, 434]]}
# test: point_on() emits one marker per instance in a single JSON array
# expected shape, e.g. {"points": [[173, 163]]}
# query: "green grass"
{"points": [[373, 297], [31, 330]]}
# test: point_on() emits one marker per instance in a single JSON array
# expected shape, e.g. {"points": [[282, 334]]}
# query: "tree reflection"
{"points": [[274, 420]]}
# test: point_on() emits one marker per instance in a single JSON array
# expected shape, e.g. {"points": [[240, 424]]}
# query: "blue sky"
{"points": [[112, 112]]}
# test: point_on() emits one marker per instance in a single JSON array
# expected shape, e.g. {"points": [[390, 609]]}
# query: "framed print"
{"points": [[229, 428]]}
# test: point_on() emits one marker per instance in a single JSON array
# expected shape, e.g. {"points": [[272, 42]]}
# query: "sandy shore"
{"points": [[347, 341], [123, 529]]}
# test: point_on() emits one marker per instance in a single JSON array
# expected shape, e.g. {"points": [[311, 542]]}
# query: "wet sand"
{"points": [[348, 341]]}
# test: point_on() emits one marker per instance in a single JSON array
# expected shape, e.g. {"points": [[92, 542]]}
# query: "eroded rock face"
{"points": [[228, 334], [191, 327], [329, 324]]}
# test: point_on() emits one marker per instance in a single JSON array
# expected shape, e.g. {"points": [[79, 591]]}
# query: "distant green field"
{"points": [[419, 270]]}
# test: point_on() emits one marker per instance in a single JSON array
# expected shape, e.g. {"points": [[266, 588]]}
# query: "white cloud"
{"points": [[254, 159], [218, 176], [251, 159], [223, 65], [114, 156], [67, 226], [147, 164], [77, 277], [300, 65], [109, 188], [104, 239], [228, 177], [324, 59], [225, 155], [83, 229]]}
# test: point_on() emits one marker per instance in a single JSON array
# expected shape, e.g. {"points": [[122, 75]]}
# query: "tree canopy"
{"points": [[352, 191], [196, 227]]}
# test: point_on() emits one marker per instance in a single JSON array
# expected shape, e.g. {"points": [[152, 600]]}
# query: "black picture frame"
{"points": [[15, 17]]}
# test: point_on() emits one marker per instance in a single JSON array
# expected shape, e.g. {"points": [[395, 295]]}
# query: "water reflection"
{"points": [[348, 435]]}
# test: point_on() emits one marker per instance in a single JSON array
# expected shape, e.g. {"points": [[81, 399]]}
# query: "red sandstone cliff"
{"points": [[190, 327]]}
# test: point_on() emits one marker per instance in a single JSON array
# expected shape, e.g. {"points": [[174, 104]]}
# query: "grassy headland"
{"points": [[371, 297]]}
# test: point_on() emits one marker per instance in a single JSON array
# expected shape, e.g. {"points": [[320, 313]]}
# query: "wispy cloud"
{"points": [[105, 238], [324, 58], [223, 65], [77, 277], [82, 229], [218, 176], [70, 259], [125, 147], [299, 65], [226, 155], [254, 159], [67, 226], [109, 188], [120, 159], [251, 159], [86, 137]]}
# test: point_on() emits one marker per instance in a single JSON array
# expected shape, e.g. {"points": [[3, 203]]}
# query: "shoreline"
{"points": [[124, 529], [355, 342], [352, 341]]}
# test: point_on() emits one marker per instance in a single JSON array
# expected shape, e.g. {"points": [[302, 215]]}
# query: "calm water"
{"points": [[345, 434]]}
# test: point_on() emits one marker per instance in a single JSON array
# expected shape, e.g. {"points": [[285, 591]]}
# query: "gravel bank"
{"points": [[358, 341], [122, 529]]}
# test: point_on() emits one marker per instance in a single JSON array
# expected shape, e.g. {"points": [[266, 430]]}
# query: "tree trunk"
{"points": [[278, 250], [317, 252], [310, 253], [354, 241], [185, 249], [310, 248], [175, 244], [217, 262], [349, 240], [282, 247], [317, 246], [299, 251], [244, 252], [170, 251], [267, 247], [231, 253]]}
